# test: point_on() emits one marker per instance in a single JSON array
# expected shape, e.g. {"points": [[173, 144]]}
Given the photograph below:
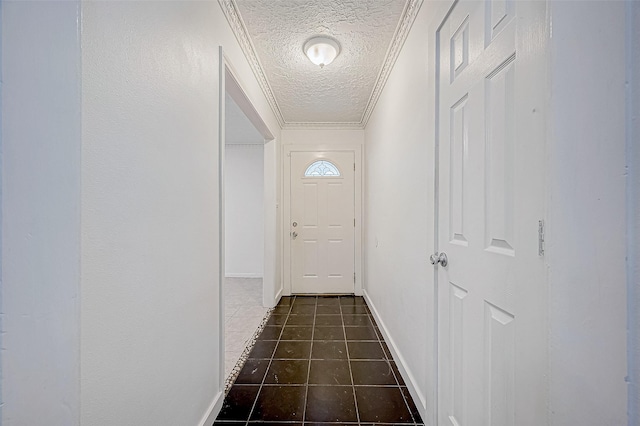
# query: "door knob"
{"points": [[294, 234], [439, 258]]}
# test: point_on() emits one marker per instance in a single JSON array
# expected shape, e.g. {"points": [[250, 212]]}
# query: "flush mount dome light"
{"points": [[321, 50]]}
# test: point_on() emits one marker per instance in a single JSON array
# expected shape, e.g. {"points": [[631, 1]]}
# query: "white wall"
{"points": [[244, 210], [109, 208], [322, 137], [238, 127], [633, 205], [586, 229], [399, 213], [150, 318], [149, 300], [40, 213], [272, 280]]}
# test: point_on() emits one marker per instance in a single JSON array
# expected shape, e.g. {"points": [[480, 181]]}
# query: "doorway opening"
{"points": [[245, 301], [244, 231], [322, 216]]}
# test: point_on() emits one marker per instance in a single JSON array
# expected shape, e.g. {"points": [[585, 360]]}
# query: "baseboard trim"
{"points": [[242, 275], [211, 414], [409, 378], [276, 299]]}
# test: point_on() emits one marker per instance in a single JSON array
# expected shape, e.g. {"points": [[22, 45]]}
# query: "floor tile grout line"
{"points": [[306, 387], [406, 403], [255, 401], [388, 358], [322, 340], [353, 384], [322, 384], [380, 340]]}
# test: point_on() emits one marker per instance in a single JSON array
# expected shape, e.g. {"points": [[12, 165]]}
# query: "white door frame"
{"points": [[235, 90], [221, 240], [286, 207], [440, 17], [229, 83]]}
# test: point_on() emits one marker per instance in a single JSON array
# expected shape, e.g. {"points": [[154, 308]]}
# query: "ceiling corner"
{"points": [[406, 15], [404, 26]]}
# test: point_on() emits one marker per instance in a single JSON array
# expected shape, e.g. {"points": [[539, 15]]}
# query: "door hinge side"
{"points": [[354, 222], [354, 277], [541, 238], [354, 167]]}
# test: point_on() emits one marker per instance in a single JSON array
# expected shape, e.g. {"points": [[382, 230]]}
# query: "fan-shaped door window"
{"points": [[322, 168]]}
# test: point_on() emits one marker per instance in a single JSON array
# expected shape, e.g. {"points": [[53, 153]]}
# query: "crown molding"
{"points": [[230, 10], [402, 31]]}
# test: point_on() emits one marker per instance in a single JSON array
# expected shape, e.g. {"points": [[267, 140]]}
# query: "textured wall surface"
{"points": [[40, 213], [633, 206], [322, 137], [399, 214], [586, 232], [109, 148], [149, 301], [340, 91]]}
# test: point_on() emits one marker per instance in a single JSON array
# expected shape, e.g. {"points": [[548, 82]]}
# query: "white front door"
{"points": [[322, 228], [491, 137]]}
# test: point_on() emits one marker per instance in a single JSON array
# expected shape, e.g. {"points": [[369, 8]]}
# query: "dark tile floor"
{"points": [[319, 360]]}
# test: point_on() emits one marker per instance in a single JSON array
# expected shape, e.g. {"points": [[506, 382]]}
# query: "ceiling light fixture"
{"points": [[321, 50]]}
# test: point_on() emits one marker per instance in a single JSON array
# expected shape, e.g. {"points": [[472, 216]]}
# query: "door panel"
{"points": [[322, 207], [492, 295], [499, 161], [458, 165]]}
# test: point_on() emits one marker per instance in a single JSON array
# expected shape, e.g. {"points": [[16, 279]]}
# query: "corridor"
{"points": [[485, 203], [319, 360]]}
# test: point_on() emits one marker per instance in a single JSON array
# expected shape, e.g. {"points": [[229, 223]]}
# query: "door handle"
{"points": [[440, 258], [294, 234]]}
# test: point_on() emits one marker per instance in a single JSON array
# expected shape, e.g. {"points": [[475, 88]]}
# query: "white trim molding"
{"points": [[213, 410], [411, 381], [402, 31], [243, 275], [230, 9]]}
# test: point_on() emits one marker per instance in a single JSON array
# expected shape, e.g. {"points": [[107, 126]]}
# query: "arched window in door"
{"points": [[322, 168]]}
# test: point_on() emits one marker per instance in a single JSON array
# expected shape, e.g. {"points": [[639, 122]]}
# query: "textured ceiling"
{"points": [[272, 33], [238, 128]]}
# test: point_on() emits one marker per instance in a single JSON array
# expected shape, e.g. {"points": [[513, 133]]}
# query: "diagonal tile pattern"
{"points": [[319, 360]]}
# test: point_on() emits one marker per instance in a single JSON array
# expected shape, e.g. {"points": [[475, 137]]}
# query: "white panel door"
{"points": [[322, 226], [492, 294]]}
